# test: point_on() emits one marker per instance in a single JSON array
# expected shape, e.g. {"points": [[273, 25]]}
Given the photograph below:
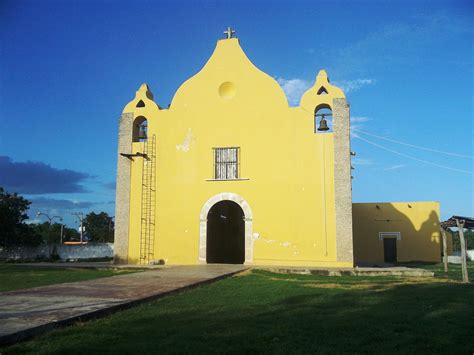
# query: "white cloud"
{"points": [[294, 89], [354, 85], [359, 119], [361, 161], [357, 123], [380, 49], [354, 134], [395, 167], [33, 221]]}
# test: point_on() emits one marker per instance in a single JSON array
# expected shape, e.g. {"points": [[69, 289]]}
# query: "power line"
{"points": [[415, 146], [413, 158]]}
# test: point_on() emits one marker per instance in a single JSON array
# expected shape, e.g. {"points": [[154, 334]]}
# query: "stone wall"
{"points": [[342, 180], [122, 197], [65, 252]]}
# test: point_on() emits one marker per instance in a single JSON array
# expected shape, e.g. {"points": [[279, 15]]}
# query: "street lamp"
{"points": [[51, 223]]}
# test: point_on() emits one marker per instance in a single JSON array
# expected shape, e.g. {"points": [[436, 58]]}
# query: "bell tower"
{"points": [[136, 147], [331, 115]]}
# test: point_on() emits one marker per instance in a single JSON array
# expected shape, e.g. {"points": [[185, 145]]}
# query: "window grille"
{"points": [[226, 163]]}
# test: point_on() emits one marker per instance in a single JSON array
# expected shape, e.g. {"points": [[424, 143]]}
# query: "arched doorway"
{"points": [[225, 237], [248, 222]]}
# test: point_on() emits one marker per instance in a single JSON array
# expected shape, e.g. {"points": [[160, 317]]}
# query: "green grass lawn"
{"points": [[454, 270], [261, 312], [15, 276]]}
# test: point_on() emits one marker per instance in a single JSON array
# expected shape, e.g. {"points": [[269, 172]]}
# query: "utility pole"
{"points": [[80, 216]]}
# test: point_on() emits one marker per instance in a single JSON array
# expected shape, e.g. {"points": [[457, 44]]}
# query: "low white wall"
{"points": [[469, 254], [65, 252]]}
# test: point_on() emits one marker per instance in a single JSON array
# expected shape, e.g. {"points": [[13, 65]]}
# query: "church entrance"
{"points": [[225, 234]]}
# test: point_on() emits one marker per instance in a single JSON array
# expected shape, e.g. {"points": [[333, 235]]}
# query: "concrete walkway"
{"points": [[29, 312], [356, 271]]}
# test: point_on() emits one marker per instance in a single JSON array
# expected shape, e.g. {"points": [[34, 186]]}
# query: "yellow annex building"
{"points": [[229, 173]]}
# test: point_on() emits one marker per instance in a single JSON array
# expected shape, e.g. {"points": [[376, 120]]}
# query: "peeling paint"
{"points": [[186, 145], [285, 244], [268, 241]]}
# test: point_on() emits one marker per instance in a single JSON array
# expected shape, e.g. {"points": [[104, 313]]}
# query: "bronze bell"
{"points": [[142, 132], [323, 124]]}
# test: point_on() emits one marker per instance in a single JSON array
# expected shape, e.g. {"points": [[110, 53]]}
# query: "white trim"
{"points": [[383, 235], [229, 196]]}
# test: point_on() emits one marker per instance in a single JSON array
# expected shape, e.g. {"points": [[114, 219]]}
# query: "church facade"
{"points": [[229, 173]]}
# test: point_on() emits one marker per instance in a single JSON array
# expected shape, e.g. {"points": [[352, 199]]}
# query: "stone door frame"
{"points": [[248, 218]]}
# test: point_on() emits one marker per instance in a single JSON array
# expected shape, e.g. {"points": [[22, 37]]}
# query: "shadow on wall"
{"points": [[396, 232]]}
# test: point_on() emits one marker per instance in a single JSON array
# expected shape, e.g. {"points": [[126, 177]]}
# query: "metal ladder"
{"points": [[147, 225]]}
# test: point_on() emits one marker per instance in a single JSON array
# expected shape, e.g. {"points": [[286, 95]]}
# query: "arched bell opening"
{"points": [[140, 129], [323, 119], [225, 239]]}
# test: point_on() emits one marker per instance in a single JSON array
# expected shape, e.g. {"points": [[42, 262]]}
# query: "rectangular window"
{"points": [[226, 163]]}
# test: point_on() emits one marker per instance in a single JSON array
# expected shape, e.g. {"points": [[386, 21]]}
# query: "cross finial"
{"points": [[229, 32]]}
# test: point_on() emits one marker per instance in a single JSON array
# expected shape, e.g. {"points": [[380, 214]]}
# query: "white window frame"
{"points": [[383, 235]]}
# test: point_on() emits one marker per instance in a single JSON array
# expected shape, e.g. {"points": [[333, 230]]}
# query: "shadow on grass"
{"points": [[265, 313], [454, 270]]}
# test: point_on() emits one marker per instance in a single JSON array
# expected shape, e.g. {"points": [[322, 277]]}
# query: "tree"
{"points": [[99, 227], [52, 233], [13, 229], [468, 236], [70, 234]]}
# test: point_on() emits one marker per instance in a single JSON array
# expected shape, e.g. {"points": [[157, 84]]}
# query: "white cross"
{"points": [[229, 32]]}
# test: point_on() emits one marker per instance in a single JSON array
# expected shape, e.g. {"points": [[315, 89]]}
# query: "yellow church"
{"points": [[230, 173]]}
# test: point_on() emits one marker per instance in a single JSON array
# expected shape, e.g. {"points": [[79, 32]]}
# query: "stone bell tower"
{"points": [[322, 96]]}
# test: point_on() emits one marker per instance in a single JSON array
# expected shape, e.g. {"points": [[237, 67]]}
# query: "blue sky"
{"points": [[67, 68]]}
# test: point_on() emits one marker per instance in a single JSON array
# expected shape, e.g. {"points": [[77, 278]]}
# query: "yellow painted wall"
{"points": [[417, 222], [289, 169]]}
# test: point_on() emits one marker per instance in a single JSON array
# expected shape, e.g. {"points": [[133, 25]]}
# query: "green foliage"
{"points": [[268, 313], [70, 234], [13, 230], [99, 227], [454, 270], [468, 236], [51, 233]]}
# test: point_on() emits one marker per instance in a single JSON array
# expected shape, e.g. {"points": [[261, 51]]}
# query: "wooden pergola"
{"points": [[459, 222]]}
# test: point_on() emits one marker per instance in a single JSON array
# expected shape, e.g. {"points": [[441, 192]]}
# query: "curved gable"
{"points": [[229, 78]]}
